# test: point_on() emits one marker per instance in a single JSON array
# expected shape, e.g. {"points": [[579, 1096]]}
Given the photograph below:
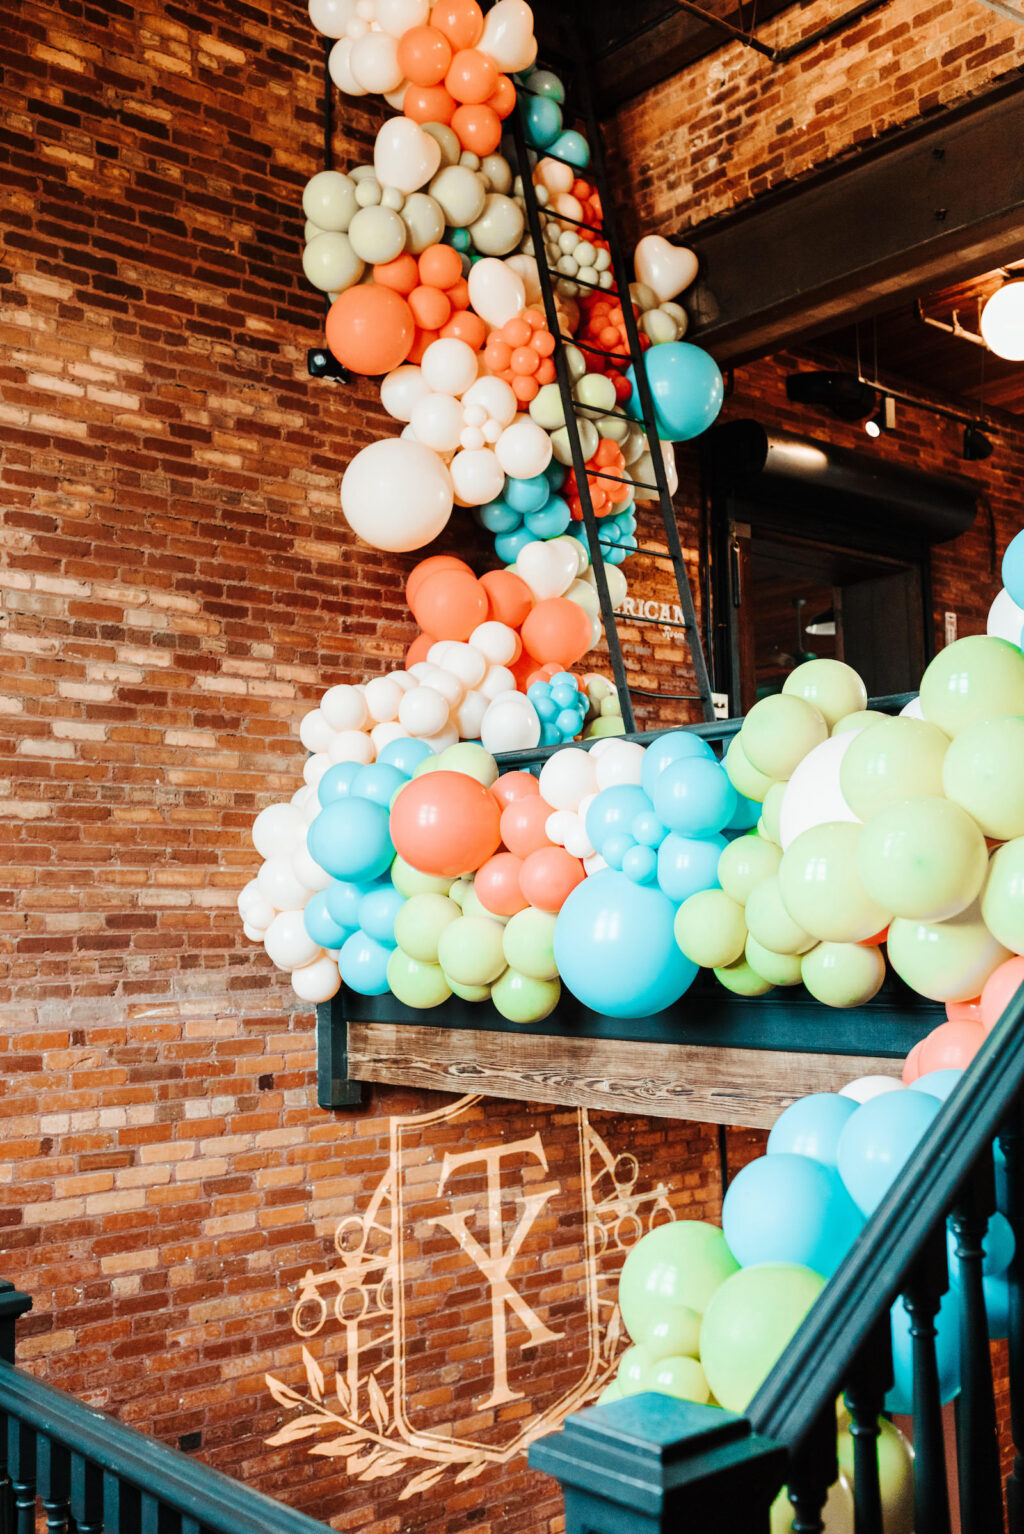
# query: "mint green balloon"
{"points": [[980, 677], [1002, 901], [924, 858], [673, 1332], [416, 984], [858, 721], [834, 688], [601, 729], [843, 974], [743, 980], [820, 887], [710, 929], [521, 999], [470, 950], [612, 1392], [773, 968], [744, 777], [771, 924], [529, 943], [680, 1377], [748, 1324], [984, 773], [898, 758], [779, 732], [744, 863], [471, 759], [678, 1264], [469, 992], [420, 922], [769, 827], [408, 881], [634, 1365], [948, 960], [428, 764]]}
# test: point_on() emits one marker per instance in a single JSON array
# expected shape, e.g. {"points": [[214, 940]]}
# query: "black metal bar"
{"points": [[869, 1378], [328, 106], [334, 1089], [21, 1463], [86, 1495], [54, 1481], [977, 1438], [582, 282], [563, 218], [599, 351], [813, 1469], [721, 25], [1011, 1144], [791, 50], [928, 1283]]}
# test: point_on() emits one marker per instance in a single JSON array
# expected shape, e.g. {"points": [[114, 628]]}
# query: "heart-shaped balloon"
{"points": [[496, 292], [666, 269], [404, 156], [508, 36], [548, 569]]}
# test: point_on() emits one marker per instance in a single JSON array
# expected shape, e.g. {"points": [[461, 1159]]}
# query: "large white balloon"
{"points": [[276, 830], [508, 36], [288, 943], [511, 723], [374, 62], [449, 366], [331, 17], [524, 449], [567, 777], [318, 981], [1006, 619], [404, 156], [397, 495], [813, 794], [496, 291]]}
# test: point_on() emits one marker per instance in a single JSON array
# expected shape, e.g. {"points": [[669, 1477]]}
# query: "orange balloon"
{"points": [[911, 1065], [514, 785], [497, 885], [370, 329], [522, 668], [440, 266], [445, 824], [543, 673], [421, 341], [424, 54], [950, 1047], [548, 876], [461, 21], [1000, 988], [472, 77], [430, 307], [503, 99], [478, 128], [509, 596], [400, 274], [522, 825], [419, 648], [964, 1011], [430, 566], [458, 295], [557, 630], [428, 104], [468, 327], [450, 604]]}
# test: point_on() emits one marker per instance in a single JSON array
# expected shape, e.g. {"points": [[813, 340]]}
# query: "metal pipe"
{"points": [[804, 44]]}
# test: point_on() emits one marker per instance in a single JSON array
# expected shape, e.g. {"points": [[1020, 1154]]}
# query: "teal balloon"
{"points": [[543, 121], [571, 146], [405, 754], [788, 1208], [378, 782], [550, 521], [363, 965], [377, 912], [746, 816], [997, 1305], [496, 517], [688, 864], [686, 387], [673, 747], [341, 899], [320, 924], [508, 546], [613, 812], [947, 1349], [615, 947], [694, 797], [811, 1127], [524, 495], [337, 782], [877, 1141], [937, 1083], [1013, 569], [351, 840]]}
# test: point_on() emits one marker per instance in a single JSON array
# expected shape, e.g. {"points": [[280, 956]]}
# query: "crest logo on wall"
{"points": [[472, 1304]]}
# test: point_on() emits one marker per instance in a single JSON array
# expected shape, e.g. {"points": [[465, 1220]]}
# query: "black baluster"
{"points": [[21, 1460], [120, 1505], [928, 1283], [1011, 1143], [813, 1469], [54, 1478], [977, 1442], [86, 1495], [870, 1379]]}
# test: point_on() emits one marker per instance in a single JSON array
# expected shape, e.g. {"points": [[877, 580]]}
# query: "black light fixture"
{"points": [[976, 445], [884, 418], [841, 393]]}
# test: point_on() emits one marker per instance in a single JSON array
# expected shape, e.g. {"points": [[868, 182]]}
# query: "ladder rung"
{"points": [[661, 623], [620, 480], [670, 697], [545, 154], [564, 218], [582, 282], [616, 415]]}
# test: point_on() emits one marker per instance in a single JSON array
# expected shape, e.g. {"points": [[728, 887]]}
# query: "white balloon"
{"points": [[331, 17], [318, 981], [526, 268], [397, 16], [396, 495], [254, 933], [314, 768], [351, 746], [423, 711], [577, 842], [495, 641], [276, 830], [308, 871], [248, 896], [622, 763], [339, 67], [912, 710], [496, 291], [665, 268], [383, 734], [402, 679], [1005, 619], [595, 864], [470, 714], [382, 699], [314, 731], [449, 686], [494, 396], [449, 366], [524, 449], [549, 569], [477, 476], [510, 724], [404, 156], [813, 794], [465, 661], [401, 388], [508, 36], [374, 62], [559, 825], [437, 420], [449, 736], [279, 885], [344, 707], [866, 1087], [567, 777], [499, 680], [307, 800]]}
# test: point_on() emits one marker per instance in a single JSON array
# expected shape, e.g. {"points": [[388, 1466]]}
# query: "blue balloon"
{"points": [[748, 813], [997, 1244], [687, 864], [341, 899], [616, 846], [694, 797], [613, 811], [363, 965], [336, 782], [320, 924], [877, 1141], [571, 146], [615, 948], [379, 782], [496, 517], [351, 840], [1013, 569], [377, 912], [526, 495], [997, 1305], [937, 1083], [507, 546], [674, 747], [947, 1349], [686, 387], [543, 121], [648, 829], [405, 754], [811, 1127], [640, 864], [788, 1208], [550, 522], [556, 474]]}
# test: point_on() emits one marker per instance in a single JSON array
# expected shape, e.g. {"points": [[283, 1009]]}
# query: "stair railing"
{"points": [[650, 1463]]}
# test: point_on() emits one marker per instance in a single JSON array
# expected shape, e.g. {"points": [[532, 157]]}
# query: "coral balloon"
{"points": [[478, 128], [509, 595], [427, 567], [445, 824], [514, 785], [419, 649], [472, 77], [440, 266], [449, 604], [370, 329], [950, 1047], [428, 104], [523, 825], [557, 630], [400, 274], [497, 885], [461, 21], [549, 876], [424, 55], [1000, 988]]}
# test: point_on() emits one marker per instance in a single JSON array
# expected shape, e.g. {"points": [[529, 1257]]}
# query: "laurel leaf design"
{"points": [[612, 1335], [335, 1448], [423, 1481], [360, 1463], [342, 1392], [314, 1375], [299, 1427], [283, 1394], [378, 1404], [387, 1465], [472, 1469]]}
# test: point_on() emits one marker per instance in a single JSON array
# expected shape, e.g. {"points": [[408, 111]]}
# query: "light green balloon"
{"points": [[420, 922], [778, 733], [925, 858], [774, 968], [843, 974], [984, 773], [469, 992], [634, 1365], [980, 677], [599, 729], [529, 943], [831, 685], [741, 979], [742, 775], [470, 950], [1002, 901], [748, 1324], [837, 1515], [428, 764], [858, 721], [458, 891], [820, 887], [408, 881], [678, 1264], [899, 758], [521, 999], [744, 863], [416, 984], [471, 759], [710, 928], [673, 1332], [771, 924], [769, 827], [546, 407], [680, 1377], [473, 906], [610, 1393], [946, 961], [895, 1475]]}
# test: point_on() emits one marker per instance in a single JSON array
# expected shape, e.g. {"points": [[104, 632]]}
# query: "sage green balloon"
{"points": [[521, 999], [377, 235], [408, 881], [472, 760], [529, 943], [499, 227], [471, 906], [680, 1377], [895, 1474], [748, 1324], [831, 685], [743, 777], [984, 772], [546, 407], [423, 218], [1002, 902], [710, 929], [769, 827], [980, 677], [821, 889], [778, 733], [673, 1332], [416, 984], [925, 858], [775, 968], [460, 193], [469, 992], [744, 863], [681, 1263], [610, 1393], [420, 922], [428, 764], [843, 974], [898, 758], [946, 961], [742, 979], [771, 924], [470, 950], [858, 721]]}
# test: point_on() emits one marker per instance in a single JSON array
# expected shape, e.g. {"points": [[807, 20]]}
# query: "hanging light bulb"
{"points": [[1002, 321]]}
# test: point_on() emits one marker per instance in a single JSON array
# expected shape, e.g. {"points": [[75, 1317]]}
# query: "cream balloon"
{"points": [[276, 830], [351, 746], [665, 268], [377, 235], [437, 420], [864, 1088], [549, 569], [449, 366], [497, 642], [397, 16], [813, 794], [314, 731], [339, 67], [374, 62], [344, 707], [288, 943], [331, 263], [396, 495], [318, 981], [496, 292], [510, 723], [1006, 619], [477, 476], [329, 200], [523, 449], [423, 711], [401, 389], [404, 156], [331, 17], [424, 222], [508, 36]]}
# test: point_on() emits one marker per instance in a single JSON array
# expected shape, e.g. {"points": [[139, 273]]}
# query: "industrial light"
{"points": [[1002, 321], [976, 445], [884, 418], [845, 396], [824, 623]]}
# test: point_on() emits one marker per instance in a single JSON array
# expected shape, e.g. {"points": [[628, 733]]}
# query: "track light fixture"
{"points": [[884, 418], [976, 445], [841, 393]]}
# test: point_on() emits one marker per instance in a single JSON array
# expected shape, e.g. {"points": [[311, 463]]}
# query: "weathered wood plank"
{"points": [[703, 1084]]}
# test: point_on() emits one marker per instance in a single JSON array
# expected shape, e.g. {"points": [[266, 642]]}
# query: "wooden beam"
{"points": [[924, 208], [702, 1084]]}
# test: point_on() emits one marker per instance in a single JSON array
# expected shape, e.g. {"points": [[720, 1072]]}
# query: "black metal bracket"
{"points": [[333, 1087], [320, 363]]}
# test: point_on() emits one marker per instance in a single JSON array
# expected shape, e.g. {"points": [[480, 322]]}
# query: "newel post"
{"points": [[13, 1304], [650, 1464]]}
